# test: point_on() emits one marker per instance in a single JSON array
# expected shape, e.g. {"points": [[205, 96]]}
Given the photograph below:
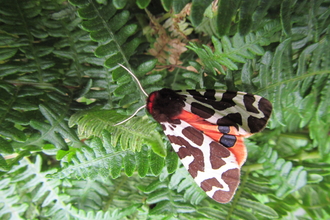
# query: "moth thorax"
{"points": [[164, 104]]}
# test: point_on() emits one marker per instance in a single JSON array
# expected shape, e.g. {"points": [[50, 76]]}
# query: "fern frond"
{"points": [[282, 176], [304, 83], [182, 181], [110, 30], [226, 53], [101, 158], [129, 135], [36, 190], [9, 201], [32, 186], [116, 214], [316, 196], [32, 77]]}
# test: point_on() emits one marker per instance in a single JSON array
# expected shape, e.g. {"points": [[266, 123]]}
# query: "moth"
{"points": [[206, 129]]}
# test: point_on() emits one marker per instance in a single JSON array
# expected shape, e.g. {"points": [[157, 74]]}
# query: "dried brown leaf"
{"points": [[171, 37]]}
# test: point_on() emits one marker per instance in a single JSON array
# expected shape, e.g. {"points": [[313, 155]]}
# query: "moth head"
{"points": [[164, 104]]}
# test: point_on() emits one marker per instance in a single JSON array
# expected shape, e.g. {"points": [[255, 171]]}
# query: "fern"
{"points": [[45, 192], [62, 90], [32, 186], [281, 173], [98, 120], [225, 54], [101, 159], [179, 181]]}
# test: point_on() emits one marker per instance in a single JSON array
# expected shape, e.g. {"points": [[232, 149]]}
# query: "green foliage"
{"points": [[62, 91], [102, 158], [131, 134], [30, 185]]}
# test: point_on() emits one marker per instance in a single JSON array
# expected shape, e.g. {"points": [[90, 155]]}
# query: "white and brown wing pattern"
{"points": [[248, 113], [206, 129], [213, 167]]}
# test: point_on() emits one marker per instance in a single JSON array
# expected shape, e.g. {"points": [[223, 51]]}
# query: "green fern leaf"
{"points": [[259, 208], [112, 34], [9, 201], [101, 158], [281, 173], [31, 182], [226, 54], [130, 135]]}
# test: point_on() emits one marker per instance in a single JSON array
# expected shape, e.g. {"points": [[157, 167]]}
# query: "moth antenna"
{"points": [[119, 123], [141, 88], [136, 79]]}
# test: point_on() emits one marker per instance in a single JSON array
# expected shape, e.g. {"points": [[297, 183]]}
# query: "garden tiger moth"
{"points": [[206, 129]]}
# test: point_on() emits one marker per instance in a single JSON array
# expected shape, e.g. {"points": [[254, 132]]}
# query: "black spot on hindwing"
{"points": [[228, 140], [224, 129]]}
